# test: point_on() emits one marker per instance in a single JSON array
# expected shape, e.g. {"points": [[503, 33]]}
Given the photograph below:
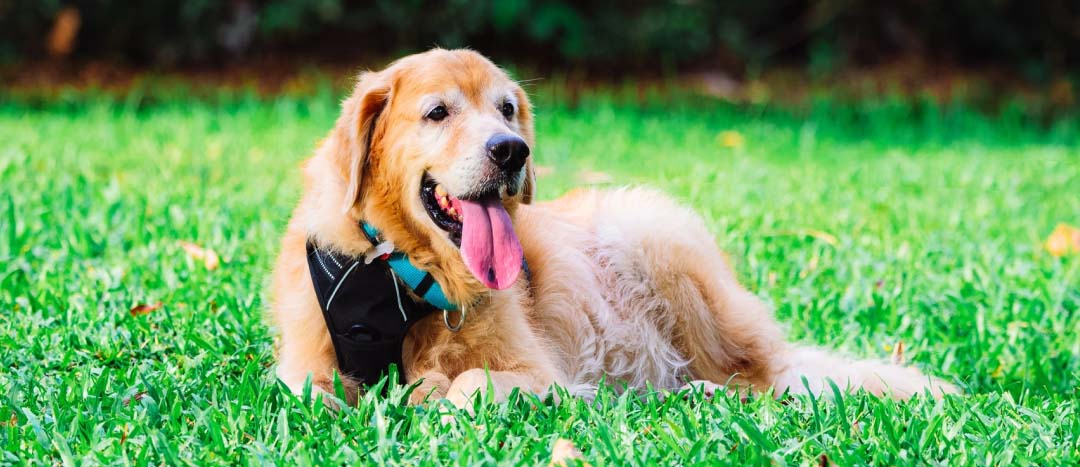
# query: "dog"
{"points": [[621, 285]]}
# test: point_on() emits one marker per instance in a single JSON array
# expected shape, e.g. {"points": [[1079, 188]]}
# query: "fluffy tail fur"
{"points": [[879, 378]]}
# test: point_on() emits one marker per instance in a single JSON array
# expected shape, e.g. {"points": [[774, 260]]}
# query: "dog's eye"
{"points": [[437, 114], [507, 109]]}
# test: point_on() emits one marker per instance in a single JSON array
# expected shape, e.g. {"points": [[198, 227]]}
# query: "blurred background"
{"points": [[970, 49]]}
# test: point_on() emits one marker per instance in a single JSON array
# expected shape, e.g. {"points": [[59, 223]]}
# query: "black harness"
{"points": [[366, 312]]}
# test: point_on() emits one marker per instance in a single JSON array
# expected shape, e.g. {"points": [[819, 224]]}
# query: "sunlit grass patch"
{"points": [[862, 226]]}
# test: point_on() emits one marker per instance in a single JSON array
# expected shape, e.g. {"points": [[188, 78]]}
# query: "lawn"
{"points": [[864, 225]]}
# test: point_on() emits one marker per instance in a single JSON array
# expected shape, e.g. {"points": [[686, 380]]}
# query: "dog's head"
{"points": [[434, 151]]}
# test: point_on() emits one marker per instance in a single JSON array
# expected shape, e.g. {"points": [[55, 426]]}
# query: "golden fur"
{"points": [[626, 284]]}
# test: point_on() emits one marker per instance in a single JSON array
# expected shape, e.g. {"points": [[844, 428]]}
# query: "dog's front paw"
{"points": [[433, 386], [466, 386]]}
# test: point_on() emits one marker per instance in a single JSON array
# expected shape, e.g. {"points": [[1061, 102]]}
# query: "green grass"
{"points": [[937, 215]]}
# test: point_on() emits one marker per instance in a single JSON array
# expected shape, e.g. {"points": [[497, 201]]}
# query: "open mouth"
{"points": [[443, 208], [481, 228]]}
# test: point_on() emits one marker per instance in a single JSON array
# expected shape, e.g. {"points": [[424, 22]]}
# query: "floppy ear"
{"points": [[355, 130], [525, 118]]}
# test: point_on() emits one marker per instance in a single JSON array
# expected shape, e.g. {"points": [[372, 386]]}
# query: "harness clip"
{"points": [[381, 251], [460, 323]]}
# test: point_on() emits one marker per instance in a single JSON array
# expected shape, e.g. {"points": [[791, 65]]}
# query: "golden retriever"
{"points": [[624, 285]]}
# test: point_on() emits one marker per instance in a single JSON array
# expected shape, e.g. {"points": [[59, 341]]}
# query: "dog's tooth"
{"points": [[453, 212], [439, 190]]}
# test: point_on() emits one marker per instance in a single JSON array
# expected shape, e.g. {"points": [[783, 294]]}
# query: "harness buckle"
{"points": [[381, 251]]}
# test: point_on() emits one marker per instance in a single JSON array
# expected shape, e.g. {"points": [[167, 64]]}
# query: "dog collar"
{"points": [[419, 281]]}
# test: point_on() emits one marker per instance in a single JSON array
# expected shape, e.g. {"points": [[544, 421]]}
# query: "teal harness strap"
{"points": [[421, 282]]}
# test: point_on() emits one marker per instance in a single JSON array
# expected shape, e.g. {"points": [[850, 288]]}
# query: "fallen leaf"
{"points": [[198, 253], [998, 372], [812, 233], [142, 308], [135, 397], [543, 170], [564, 451], [731, 139], [898, 353], [594, 177], [1064, 240]]}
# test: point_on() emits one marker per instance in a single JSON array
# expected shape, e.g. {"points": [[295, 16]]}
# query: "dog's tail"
{"points": [[880, 378]]}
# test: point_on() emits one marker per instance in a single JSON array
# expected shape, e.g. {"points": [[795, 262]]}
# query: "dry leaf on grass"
{"points": [[731, 139], [138, 396], [142, 308], [1064, 240], [594, 177], [998, 372], [564, 451], [812, 233], [208, 257]]}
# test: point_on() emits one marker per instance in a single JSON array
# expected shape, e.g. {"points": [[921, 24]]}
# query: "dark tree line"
{"points": [[1036, 38]]}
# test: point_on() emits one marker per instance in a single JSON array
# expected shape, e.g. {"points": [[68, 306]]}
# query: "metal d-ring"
{"points": [[446, 320]]}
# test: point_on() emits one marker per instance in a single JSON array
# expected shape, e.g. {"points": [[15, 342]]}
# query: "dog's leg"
{"points": [[305, 352], [498, 386], [727, 333], [744, 339], [308, 353], [496, 340], [434, 386], [304, 349]]}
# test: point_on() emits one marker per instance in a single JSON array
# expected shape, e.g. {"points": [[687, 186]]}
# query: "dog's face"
{"points": [[442, 144]]}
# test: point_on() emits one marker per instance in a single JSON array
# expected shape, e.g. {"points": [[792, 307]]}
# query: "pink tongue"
{"points": [[488, 243]]}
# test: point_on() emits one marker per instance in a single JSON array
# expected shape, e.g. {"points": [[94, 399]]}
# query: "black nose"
{"points": [[508, 152]]}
